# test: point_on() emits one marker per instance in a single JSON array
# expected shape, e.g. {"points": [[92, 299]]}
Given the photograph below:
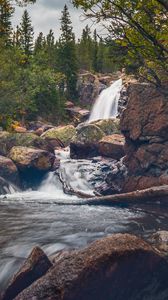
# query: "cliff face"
{"points": [[144, 124]]}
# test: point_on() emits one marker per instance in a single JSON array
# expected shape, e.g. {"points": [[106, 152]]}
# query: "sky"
{"points": [[46, 14]]}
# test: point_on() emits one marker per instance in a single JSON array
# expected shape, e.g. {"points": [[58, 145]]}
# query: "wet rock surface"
{"points": [[35, 266], [120, 266]]}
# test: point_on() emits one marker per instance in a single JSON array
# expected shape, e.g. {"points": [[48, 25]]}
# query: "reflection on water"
{"points": [[31, 218]]}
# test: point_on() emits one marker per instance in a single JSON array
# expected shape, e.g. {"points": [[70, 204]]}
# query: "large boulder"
{"points": [[30, 158], [64, 134], [145, 126], [35, 266], [119, 267], [108, 126], [89, 133], [8, 170], [88, 86], [9, 140], [112, 146]]}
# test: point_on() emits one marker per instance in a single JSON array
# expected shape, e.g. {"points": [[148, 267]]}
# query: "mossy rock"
{"points": [[65, 134], [89, 134], [9, 140], [109, 126]]}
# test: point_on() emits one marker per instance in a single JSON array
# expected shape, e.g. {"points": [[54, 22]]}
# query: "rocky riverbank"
{"points": [[121, 266]]}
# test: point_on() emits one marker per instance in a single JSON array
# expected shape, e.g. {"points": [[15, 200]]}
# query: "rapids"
{"points": [[51, 219]]}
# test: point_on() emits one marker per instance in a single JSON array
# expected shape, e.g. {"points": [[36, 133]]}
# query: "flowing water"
{"points": [[51, 219], [106, 105]]}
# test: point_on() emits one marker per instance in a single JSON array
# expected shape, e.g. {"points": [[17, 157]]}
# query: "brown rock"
{"points": [[145, 126], [8, 170], [118, 267], [146, 113], [26, 158], [35, 266], [112, 146], [80, 150]]}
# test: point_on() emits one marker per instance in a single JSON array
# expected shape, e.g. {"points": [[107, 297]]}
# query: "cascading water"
{"points": [[106, 105]]}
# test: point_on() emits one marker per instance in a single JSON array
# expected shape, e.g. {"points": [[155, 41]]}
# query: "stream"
{"points": [[49, 218]]}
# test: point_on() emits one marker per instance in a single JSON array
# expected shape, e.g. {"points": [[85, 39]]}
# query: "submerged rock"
{"points": [[120, 266], [112, 146], [65, 134], [30, 158], [35, 266], [8, 170]]}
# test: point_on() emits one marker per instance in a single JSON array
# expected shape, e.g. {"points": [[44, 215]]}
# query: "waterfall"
{"points": [[106, 105]]}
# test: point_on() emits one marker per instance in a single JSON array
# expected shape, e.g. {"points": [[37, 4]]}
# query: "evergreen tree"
{"points": [[26, 36], [50, 39], [16, 37], [100, 56], [95, 52], [39, 43], [85, 49], [6, 12], [67, 54]]}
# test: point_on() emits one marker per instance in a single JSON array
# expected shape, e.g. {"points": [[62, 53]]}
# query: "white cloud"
{"points": [[46, 14]]}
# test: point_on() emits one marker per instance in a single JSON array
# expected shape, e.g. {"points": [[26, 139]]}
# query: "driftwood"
{"points": [[153, 194]]}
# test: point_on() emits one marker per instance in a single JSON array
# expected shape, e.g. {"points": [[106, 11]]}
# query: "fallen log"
{"points": [[152, 194]]}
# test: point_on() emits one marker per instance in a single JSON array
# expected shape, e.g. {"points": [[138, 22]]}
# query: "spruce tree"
{"points": [[67, 54], [26, 36], [95, 52], [6, 12], [50, 39], [39, 43]]}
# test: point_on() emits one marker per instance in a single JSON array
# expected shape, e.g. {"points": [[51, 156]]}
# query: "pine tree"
{"points": [[16, 37], [6, 12], [39, 43], [67, 54], [95, 52], [85, 49], [26, 37], [50, 39]]}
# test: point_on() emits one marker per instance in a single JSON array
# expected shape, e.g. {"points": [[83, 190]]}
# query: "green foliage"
{"points": [[67, 58], [26, 34], [140, 27]]}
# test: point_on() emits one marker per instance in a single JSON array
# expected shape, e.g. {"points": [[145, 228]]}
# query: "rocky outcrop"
{"points": [[144, 123], [112, 146], [89, 88], [64, 134], [35, 266], [118, 267], [8, 170], [32, 159], [9, 140]]}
